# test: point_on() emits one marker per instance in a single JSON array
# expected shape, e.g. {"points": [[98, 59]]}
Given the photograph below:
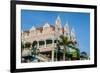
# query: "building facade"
{"points": [[47, 35]]}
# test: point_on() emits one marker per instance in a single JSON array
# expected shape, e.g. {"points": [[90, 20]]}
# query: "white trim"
{"points": [[51, 64]]}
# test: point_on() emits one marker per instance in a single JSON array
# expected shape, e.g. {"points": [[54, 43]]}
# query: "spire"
{"points": [[58, 18], [73, 32], [58, 22], [32, 28], [73, 36], [66, 28]]}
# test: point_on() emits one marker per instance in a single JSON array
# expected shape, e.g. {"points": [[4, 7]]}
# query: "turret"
{"points": [[58, 26], [73, 36], [66, 30]]}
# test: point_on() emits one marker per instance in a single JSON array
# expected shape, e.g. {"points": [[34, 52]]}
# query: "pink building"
{"points": [[47, 33]]}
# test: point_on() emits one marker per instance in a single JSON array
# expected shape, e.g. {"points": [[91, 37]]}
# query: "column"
{"points": [[45, 43], [52, 53], [52, 42], [37, 44]]}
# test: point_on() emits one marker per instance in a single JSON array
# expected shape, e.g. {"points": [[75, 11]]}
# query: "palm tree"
{"points": [[34, 47], [77, 51], [58, 53], [65, 42], [78, 54]]}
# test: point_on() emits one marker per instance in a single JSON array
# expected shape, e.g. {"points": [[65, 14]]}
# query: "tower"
{"points": [[72, 35], [66, 30], [74, 39], [58, 26]]}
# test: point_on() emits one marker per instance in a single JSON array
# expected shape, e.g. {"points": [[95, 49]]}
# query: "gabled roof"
{"points": [[33, 28]]}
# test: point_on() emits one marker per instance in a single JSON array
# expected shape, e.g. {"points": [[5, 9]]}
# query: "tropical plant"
{"points": [[66, 43], [58, 53], [34, 47], [76, 52], [69, 55]]}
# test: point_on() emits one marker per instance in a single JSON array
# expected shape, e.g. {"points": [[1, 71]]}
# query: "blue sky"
{"points": [[79, 21]]}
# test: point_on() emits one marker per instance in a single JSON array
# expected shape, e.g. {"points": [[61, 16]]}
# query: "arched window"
{"points": [[41, 42], [49, 41]]}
